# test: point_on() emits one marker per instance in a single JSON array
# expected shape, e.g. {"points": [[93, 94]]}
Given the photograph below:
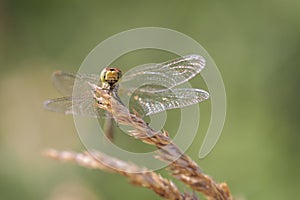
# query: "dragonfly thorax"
{"points": [[110, 76]]}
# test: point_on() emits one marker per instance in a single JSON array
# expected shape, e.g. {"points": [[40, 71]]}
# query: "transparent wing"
{"points": [[81, 106], [64, 81], [168, 74], [153, 99]]}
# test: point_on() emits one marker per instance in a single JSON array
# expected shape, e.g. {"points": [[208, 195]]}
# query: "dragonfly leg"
{"points": [[98, 99]]}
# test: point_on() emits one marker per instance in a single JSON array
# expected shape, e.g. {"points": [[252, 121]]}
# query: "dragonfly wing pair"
{"points": [[151, 86], [75, 105]]}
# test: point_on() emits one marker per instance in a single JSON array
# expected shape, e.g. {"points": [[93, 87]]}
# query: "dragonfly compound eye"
{"points": [[102, 75]]}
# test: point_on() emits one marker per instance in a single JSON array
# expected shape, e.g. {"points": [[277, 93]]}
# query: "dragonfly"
{"points": [[152, 89]]}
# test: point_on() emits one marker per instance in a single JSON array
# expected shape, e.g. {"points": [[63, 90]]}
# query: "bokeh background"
{"points": [[256, 45]]}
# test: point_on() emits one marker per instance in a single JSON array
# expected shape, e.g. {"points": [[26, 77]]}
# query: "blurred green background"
{"points": [[256, 45]]}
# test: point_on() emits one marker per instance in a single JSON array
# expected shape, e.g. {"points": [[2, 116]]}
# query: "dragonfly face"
{"points": [[110, 76]]}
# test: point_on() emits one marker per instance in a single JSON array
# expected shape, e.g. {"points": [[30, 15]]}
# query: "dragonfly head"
{"points": [[110, 75]]}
